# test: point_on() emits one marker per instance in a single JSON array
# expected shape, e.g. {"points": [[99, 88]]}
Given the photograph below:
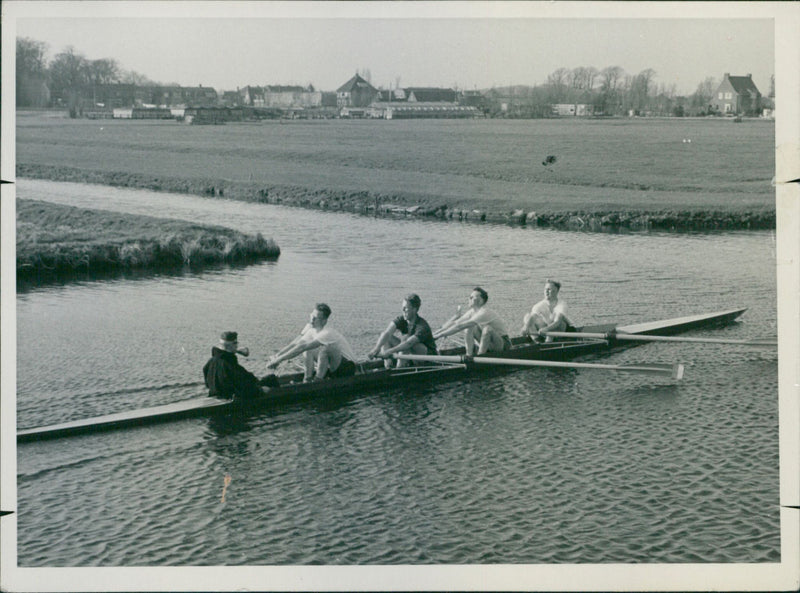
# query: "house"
{"points": [[167, 96], [389, 96], [472, 99], [231, 99], [356, 92], [115, 95], [252, 96], [291, 96], [200, 96], [737, 95]]}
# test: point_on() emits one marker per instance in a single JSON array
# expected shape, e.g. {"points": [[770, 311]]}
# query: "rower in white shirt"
{"points": [[549, 314], [327, 353], [478, 324]]}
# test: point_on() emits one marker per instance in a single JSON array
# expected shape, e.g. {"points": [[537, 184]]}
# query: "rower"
{"points": [[480, 324], [549, 314], [226, 378], [327, 353], [415, 337]]}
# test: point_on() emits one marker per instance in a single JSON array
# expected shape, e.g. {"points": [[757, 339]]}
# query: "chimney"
{"points": [[727, 75], [749, 76]]}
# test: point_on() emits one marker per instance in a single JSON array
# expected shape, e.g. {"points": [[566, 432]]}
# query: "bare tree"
{"points": [[645, 80], [105, 71], [131, 77], [611, 78], [590, 75], [31, 73], [609, 100], [704, 92], [31, 56], [557, 83], [68, 72]]}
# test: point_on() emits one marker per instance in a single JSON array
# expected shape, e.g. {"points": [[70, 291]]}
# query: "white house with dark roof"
{"points": [[737, 95]]}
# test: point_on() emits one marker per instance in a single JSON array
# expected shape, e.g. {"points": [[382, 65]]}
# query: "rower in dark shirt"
{"points": [[415, 337]]}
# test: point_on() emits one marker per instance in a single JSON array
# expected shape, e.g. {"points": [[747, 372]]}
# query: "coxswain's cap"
{"points": [[229, 341]]}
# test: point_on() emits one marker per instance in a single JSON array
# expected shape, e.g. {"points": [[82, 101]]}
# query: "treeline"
{"points": [[610, 91], [41, 83]]}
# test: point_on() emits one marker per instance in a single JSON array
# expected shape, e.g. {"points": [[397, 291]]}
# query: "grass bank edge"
{"points": [[54, 239], [366, 202]]}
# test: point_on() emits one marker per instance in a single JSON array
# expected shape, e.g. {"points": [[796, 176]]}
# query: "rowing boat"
{"points": [[372, 375]]}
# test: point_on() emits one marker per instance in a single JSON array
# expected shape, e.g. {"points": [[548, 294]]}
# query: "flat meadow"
{"points": [[601, 165]]}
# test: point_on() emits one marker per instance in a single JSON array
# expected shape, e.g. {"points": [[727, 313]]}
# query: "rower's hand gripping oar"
{"points": [[647, 338], [673, 371]]}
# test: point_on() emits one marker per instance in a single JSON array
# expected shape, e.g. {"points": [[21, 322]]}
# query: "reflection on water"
{"points": [[526, 466]]}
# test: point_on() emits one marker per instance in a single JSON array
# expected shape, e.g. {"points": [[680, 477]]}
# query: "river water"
{"points": [[530, 467]]}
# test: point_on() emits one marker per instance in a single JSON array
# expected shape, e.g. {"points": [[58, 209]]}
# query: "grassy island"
{"points": [[54, 240]]}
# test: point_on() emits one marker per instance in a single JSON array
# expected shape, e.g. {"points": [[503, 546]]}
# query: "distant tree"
{"points": [[31, 57], [639, 90], [31, 73], [69, 71], [105, 71], [610, 81], [557, 83], [131, 77], [701, 97], [583, 78]]}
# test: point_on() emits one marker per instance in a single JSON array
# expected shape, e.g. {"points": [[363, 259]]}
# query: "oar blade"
{"points": [[761, 343], [673, 371]]}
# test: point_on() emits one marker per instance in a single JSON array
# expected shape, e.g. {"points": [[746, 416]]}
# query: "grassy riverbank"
{"points": [[55, 240], [610, 173]]}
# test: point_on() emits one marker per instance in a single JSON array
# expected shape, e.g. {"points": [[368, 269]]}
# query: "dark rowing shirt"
{"points": [[225, 377], [420, 329]]}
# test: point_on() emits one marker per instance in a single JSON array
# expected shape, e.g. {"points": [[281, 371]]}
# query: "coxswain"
{"points": [[226, 378]]}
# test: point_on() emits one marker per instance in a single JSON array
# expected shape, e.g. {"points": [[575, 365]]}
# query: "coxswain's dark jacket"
{"points": [[225, 377]]}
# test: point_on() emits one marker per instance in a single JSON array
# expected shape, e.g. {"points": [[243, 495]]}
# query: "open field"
{"points": [[54, 240], [652, 172]]}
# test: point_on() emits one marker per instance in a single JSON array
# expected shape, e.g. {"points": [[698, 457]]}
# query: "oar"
{"points": [[674, 371], [646, 338]]}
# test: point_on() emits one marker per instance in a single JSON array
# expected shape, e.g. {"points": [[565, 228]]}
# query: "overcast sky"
{"points": [[500, 45]]}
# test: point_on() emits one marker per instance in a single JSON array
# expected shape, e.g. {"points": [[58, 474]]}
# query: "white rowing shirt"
{"points": [[487, 318], [328, 336], [543, 311]]}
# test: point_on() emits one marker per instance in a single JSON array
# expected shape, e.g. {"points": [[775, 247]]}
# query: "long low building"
{"points": [[419, 110]]}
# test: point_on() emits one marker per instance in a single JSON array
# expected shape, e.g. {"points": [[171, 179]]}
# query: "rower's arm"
{"points": [[458, 315], [454, 328], [289, 346], [294, 351], [383, 338], [404, 345], [556, 322]]}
